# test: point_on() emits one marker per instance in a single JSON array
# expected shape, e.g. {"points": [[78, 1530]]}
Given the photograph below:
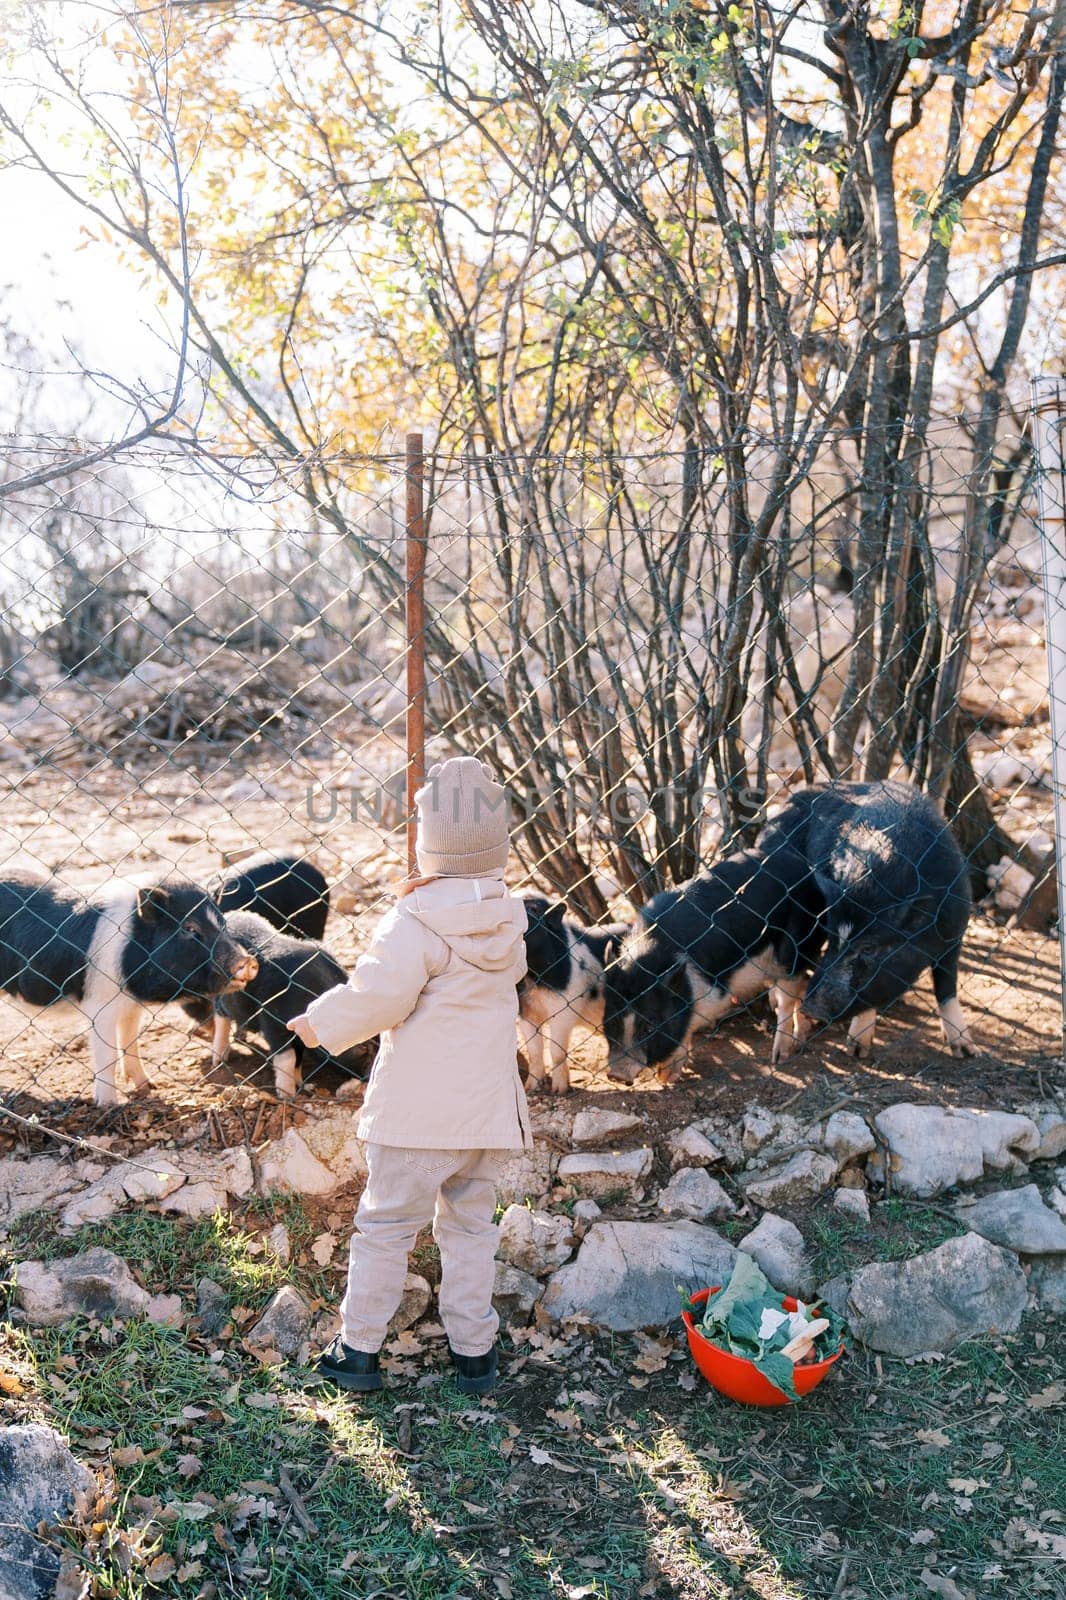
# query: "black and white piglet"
{"points": [[747, 925], [291, 973], [114, 954], [894, 893], [563, 986], [288, 890]]}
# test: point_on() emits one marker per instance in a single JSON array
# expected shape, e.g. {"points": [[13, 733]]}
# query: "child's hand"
{"points": [[303, 1028]]}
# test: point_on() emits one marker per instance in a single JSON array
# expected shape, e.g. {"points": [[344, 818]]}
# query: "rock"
{"points": [[592, 1128], [934, 1301], [800, 1178], [279, 1242], [852, 1203], [332, 1140], [585, 1213], [166, 1310], [607, 1172], [33, 1185], [835, 1293], [40, 1481], [212, 1307], [631, 1275], [96, 1203], [534, 1241], [156, 1175], [96, 1283], [414, 1303], [1051, 1125], [694, 1147], [1018, 1219], [526, 1175], [757, 1128], [551, 1118], [515, 1293], [284, 1325], [196, 1200], [693, 1193], [933, 1149], [846, 1136], [1047, 1283], [287, 1163], [777, 1245], [1057, 1199]]}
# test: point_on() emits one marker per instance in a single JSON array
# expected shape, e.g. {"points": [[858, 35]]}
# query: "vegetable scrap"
{"points": [[748, 1318]]}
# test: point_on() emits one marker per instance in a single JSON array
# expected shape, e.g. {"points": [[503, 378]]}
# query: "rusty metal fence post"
{"points": [[415, 623], [1049, 438]]}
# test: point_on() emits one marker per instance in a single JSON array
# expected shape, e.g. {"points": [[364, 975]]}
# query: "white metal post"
{"points": [[1049, 433]]}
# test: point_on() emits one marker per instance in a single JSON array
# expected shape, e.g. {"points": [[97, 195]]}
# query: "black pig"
{"points": [[747, 925], [291, 973], [895, 895], [288, 890], [114, 954]]}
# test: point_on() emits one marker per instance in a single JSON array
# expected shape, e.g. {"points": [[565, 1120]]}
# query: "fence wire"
{"points": [[202, 658]]}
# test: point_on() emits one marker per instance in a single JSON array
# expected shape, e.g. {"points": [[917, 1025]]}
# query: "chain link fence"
{"points": [[204, 656]]}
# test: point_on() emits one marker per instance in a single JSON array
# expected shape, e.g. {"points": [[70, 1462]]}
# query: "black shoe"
{"points": [[350, 1369], [476, 1374]]}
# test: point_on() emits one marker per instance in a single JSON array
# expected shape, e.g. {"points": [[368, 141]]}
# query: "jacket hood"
{"points": [[488, 932]]}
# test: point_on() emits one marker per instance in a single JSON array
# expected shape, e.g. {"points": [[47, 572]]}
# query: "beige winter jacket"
{"points": [[438, 983]]}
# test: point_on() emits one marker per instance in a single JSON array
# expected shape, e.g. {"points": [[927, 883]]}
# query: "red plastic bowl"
{"points": [[738, 1377]]}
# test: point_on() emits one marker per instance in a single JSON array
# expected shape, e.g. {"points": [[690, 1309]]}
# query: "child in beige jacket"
{"points": [[444, 1103]]}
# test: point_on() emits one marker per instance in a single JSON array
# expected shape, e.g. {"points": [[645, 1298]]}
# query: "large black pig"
{"points": [[895, 901]]}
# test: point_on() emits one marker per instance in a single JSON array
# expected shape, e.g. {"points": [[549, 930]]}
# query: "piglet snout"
{"points": [[245, 969]]}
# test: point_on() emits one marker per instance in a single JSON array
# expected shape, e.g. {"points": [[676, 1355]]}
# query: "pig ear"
{"points": [[150, 902]]}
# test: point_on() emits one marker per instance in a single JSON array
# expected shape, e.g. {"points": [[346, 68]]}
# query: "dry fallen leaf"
{"points": [[923, 1536], [323, 1248], [127, 1455], [1048, 1396], [945, 1587], [11, 1384], [933, 1436], [189, 1466], [162, 1568], [539, 1457]]}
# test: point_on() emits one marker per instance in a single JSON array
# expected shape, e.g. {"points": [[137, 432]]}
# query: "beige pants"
{"points": [[405, 1189]]}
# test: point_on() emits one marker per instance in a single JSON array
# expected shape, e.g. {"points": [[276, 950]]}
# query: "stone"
{"points": [[1051, 1125], [212, 1308], [1017, 1219], [40, 1481], [526, 1175], [166, 1310], [1047, 1284], [515, 1292], [607, 1172], [694, 1147], [853, 1203], [757, 1127], [196, 1200], [777, 1246], [534, 1241], [834, 1293], [593, 1128], [95, 1283], [934, 1148], [287, 1163], [96, 1203], [279, 1243], [551, 1118], [284, 1325], [847, 1136], [802, 1177], [33, 1185], [1057, 1199], [630, 1275], [332, 1140], [414, 1303], [156, 1175], [585, 1213], [935, 1301], [693, 1193]]}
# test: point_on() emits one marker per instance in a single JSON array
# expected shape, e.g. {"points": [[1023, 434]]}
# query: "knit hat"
{"points": [[463, 821]]}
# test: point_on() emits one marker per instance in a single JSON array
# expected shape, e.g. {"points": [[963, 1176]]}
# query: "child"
{"points": [[444, 1103]]}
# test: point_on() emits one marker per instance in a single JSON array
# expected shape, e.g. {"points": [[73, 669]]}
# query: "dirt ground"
{"points": [[89, 822]]}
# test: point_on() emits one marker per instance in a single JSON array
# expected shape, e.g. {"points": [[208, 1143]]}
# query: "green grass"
{"points": [[591, 1477]]}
